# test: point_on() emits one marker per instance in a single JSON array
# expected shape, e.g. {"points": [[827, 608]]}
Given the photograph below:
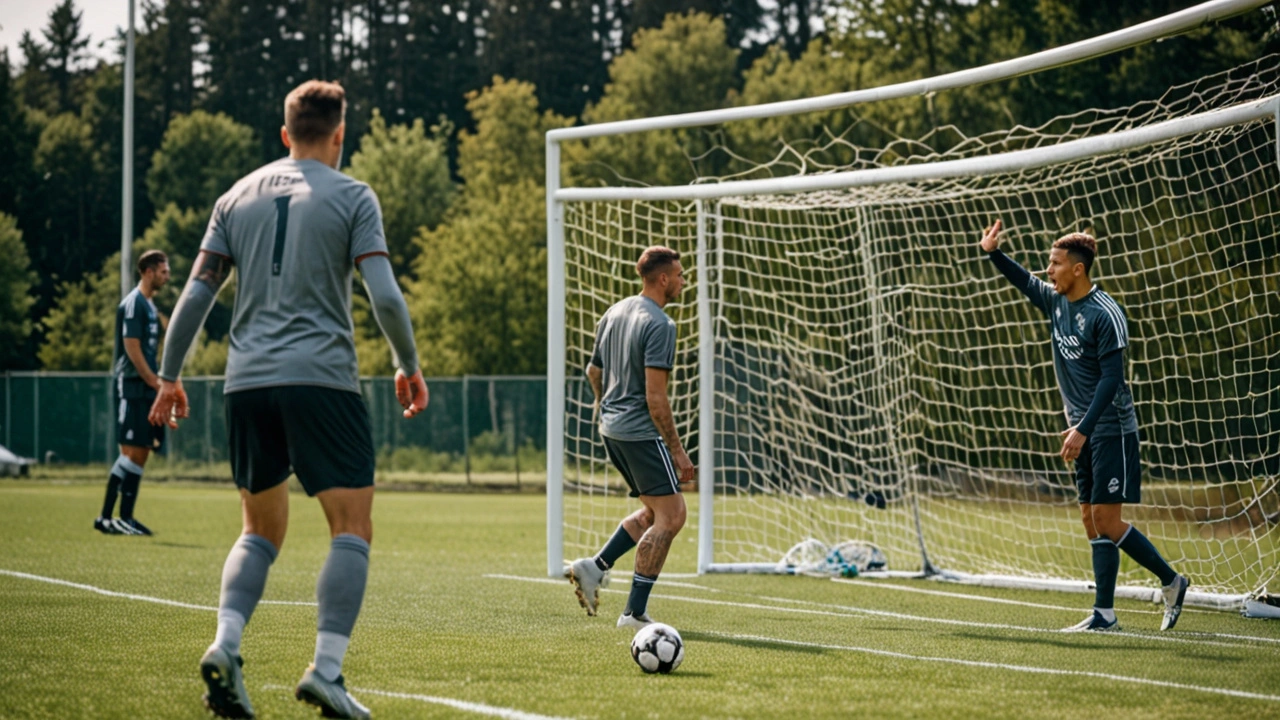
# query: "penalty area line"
{"points": [[810, 607], [1005, 666], [464, 705], [133, 596]]}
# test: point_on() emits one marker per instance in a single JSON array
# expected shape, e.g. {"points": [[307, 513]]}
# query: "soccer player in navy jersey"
{"points": [[138, 326], [1090, 334]]}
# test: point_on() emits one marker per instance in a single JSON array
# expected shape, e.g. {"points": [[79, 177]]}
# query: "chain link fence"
{"points": [[476, 429]]}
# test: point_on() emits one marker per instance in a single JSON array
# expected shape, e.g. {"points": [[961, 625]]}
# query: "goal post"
{"points": [[849, 369]]}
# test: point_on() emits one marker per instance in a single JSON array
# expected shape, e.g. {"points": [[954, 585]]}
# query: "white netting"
{"points": [[874, 371]]}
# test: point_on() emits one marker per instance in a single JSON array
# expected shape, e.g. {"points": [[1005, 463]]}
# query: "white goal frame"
{"points": [[557, 197]]}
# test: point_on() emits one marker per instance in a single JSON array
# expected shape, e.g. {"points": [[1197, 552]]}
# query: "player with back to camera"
{"points": [[138, 326], [1090, 334], [629, 371], [294, 230]]}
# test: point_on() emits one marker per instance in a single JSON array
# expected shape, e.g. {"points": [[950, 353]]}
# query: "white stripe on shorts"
{"points": [[666, 460]]}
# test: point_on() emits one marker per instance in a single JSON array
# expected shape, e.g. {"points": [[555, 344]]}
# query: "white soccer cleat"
{"points": [[227, 697], [331, 697], [1174, 593], [1094, 623], [635, 622], [587, 580]]}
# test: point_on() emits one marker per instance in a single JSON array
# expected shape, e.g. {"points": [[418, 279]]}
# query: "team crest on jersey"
{"points": [[1114, 485], [1080, 321]]}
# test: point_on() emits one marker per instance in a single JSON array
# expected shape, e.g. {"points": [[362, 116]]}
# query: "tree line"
{"points": [[449, 103]]}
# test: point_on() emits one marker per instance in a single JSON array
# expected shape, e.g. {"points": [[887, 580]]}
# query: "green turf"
{"points": [[433, 625]]}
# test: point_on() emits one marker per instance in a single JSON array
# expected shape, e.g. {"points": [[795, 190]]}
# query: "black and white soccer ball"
{"points": [[657, 648]]}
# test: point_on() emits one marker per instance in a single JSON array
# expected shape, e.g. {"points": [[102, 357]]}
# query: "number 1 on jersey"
{"points": [[282, 224]]}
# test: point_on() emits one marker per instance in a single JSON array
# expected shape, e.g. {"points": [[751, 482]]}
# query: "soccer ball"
{"points": [[657, 648]]}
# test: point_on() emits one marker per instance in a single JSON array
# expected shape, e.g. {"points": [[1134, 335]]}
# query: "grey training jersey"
{"points": [[1083, 332], [633, 335], [294, 228]]}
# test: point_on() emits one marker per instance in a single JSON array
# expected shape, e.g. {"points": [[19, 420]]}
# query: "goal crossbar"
{"points": [[1014, 161]]}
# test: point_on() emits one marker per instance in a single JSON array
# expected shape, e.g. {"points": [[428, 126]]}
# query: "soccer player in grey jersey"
{"points": [[629, 369], [294, 230], [1090, 334]]}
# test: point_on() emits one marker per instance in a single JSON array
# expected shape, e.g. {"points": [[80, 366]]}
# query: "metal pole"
{"points": [[706, 399], [35, 414], [555, 364], [126, 214], [466, 428]]}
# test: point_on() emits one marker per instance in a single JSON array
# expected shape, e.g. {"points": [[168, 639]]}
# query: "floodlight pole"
{"points": [[126, 191]]}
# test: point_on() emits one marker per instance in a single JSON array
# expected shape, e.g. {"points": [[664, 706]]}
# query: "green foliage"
{"points": [[66, 158], [201, 156], [409, 170], [479, 300], [78, 330], [683, 66], [16, 281], [208, 357]]}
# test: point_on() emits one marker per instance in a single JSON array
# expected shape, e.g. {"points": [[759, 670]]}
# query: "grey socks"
{"points": [[340, 591], [244, 576]]}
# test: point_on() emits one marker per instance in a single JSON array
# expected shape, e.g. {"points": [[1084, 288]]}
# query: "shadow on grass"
{"points": [[181, 546], [757, 643], [1072, 641]]}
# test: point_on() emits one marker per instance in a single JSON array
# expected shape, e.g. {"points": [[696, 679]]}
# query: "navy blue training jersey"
{"points": [[135, 318], [1084, 332]]}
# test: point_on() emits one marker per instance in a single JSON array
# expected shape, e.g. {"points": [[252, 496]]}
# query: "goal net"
{"points": [[850, 366]]}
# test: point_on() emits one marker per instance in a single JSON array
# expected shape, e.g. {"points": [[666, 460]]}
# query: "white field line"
{"points": [[847, 611], [1005, 666], [881, 585], [108, 593], [131, 596], [481, 709]]}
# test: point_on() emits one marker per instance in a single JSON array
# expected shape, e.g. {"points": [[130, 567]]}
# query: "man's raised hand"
{"points": [[991, 238]]}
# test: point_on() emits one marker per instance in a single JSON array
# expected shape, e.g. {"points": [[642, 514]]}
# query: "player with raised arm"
{"points": [[1090, 334], [138, 326], [294, 230], [630, 367]]}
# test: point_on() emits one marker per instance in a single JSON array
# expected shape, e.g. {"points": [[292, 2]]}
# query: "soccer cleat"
{"points": [[227, 697], [331, 697], [137, 527], [635, 622], [123, 527], [1094, 623], [106, 526], [1174, 594], [587, 580]]}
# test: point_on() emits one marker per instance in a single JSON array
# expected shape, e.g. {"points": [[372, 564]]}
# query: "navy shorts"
{"points": [[1108, 470], [645, 464], [132, 426], [320, 433]]}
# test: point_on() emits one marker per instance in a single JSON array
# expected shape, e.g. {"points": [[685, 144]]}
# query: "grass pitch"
{"points": [[460, 622]]}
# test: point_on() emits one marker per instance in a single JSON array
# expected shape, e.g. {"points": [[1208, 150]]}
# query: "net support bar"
{"points": [[1173, 24]]}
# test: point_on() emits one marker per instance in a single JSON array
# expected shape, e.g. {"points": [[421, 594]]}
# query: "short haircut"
{"points": [[654, 260], [151, 259], [1080, 246], [314, 110]]}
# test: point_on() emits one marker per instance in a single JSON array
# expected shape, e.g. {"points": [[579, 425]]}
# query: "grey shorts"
{"points": [[645, 464]]}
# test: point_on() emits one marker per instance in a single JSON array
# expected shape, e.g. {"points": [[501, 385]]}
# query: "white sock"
{"points": [[331, 648], [1108, 614], [230, 630]]}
